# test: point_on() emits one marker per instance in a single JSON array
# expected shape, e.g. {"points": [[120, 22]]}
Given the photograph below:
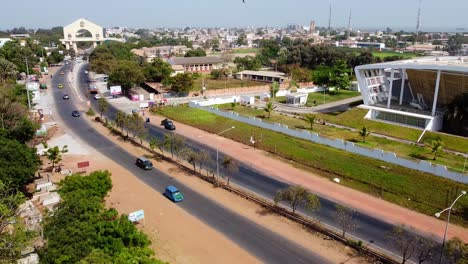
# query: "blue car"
{"points": [[173, 194]]}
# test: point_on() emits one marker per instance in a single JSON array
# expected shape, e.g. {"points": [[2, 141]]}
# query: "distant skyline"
{"points": [[369, 14]]}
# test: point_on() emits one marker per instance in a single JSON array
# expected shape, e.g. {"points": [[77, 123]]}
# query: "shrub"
{"points": [[91, 112]]}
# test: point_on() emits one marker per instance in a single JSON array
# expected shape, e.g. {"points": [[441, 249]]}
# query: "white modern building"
{"points": [[416, 93]]}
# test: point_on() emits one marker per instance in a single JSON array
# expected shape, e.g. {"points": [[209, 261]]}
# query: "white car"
{"points": [[96, 96], [86, 72]]}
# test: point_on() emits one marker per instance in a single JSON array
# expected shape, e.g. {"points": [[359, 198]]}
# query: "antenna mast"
{"points": [[329, 18], [418, 21]]}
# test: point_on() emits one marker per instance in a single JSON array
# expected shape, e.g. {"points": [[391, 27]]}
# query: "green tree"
{"points": [[199, 52], [364, 132], [295, 195], [18, 163], [274, 88], [182, 83], [312, 203], [247, 63], [404, 240], [158, 71], [241, 40], [127, 74], [456, 251], [137, 125], [454, 44], [231, 166], [435, 146], [269, 108], [54, 154], [103, 105], [346, 218], [13, 236], [310, 119], [7, 71]]}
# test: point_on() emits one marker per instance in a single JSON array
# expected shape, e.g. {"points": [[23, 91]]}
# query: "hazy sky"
{"points": [[178, 13]]}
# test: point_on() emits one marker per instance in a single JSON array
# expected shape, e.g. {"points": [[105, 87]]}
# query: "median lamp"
{"points": [[449, 209]]}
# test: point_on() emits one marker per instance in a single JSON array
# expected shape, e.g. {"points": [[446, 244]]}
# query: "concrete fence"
{"points": [[389, 157]]}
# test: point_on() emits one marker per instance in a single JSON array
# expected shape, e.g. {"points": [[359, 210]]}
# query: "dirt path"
{"points": [[130, 194], [263, 162]]}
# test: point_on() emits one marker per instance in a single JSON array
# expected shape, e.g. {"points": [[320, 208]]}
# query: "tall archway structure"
{"points": [[82, 30]]}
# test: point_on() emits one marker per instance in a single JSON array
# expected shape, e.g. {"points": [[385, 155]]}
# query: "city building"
{"points": [[196, 64], [160, 52], [418, 93], [357, 44], [16, 36], [262, 76]]}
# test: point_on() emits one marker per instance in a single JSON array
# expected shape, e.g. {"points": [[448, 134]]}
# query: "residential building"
{"points": [[196, 64], [160, 52], [3, 41], [262, 76]]}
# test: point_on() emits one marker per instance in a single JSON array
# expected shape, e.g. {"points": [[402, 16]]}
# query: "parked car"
{"points": [[169, 126], [60, 86], [173, 194], [86, 72], [97, 96], [76, 113], [65, 97], [144, 163]]}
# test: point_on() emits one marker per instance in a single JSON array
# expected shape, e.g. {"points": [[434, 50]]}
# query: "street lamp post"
{"points": [[217, 150], [448, 221], [26, 83]]}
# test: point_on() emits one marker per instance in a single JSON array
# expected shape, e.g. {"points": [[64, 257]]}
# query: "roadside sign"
{"points": [[136, 216], [83, 164]]}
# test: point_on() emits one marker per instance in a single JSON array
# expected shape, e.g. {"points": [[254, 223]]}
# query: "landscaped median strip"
{"points": [[412, 189], [376, 253]]}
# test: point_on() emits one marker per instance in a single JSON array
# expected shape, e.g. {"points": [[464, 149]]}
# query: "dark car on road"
{"points": [[65, 97], [163, 122], [76, 113], [144, 163], [169, 126]]}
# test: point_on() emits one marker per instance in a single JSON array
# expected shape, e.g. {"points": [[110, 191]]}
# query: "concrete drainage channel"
{"points": [[278, 209]]}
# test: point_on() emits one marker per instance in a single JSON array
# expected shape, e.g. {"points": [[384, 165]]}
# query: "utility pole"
{"points": [[418, 19], [26, 83]]}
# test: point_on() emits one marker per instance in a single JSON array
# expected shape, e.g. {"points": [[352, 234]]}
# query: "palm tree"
{"points": [[269, 107], [364, 132], [310, 118], [435, 146]]}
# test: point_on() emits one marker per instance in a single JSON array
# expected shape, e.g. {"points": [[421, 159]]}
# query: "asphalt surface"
{"points": [[266, 245]]}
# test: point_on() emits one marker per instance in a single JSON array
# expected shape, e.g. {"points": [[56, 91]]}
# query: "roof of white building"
{"points": [[264, 73], [445, 63]]}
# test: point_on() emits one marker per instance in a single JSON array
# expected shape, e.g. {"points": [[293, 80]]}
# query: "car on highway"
{"points": [[96, 96], [173, 194], [144, 163], [169, 126], [60, 86], [86, 72], [61, 73], [163, 122], [75, 113], [65, 97]]}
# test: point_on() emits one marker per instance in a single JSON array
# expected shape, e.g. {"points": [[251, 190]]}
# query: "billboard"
{"points": [[116, 90], [136, 216]]}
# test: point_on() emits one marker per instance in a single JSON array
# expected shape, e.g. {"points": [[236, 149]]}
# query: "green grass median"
{"points": [[412, 189]]}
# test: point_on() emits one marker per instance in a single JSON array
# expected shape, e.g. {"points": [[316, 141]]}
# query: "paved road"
{"points": [[268, 246], [370, 230]]}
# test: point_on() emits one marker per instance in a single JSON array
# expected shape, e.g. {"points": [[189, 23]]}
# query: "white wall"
{"points": [[389, 157]]}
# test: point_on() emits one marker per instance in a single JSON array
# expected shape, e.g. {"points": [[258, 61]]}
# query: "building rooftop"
{"points": [[194, 60], [445, 63], [264, 73]]}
